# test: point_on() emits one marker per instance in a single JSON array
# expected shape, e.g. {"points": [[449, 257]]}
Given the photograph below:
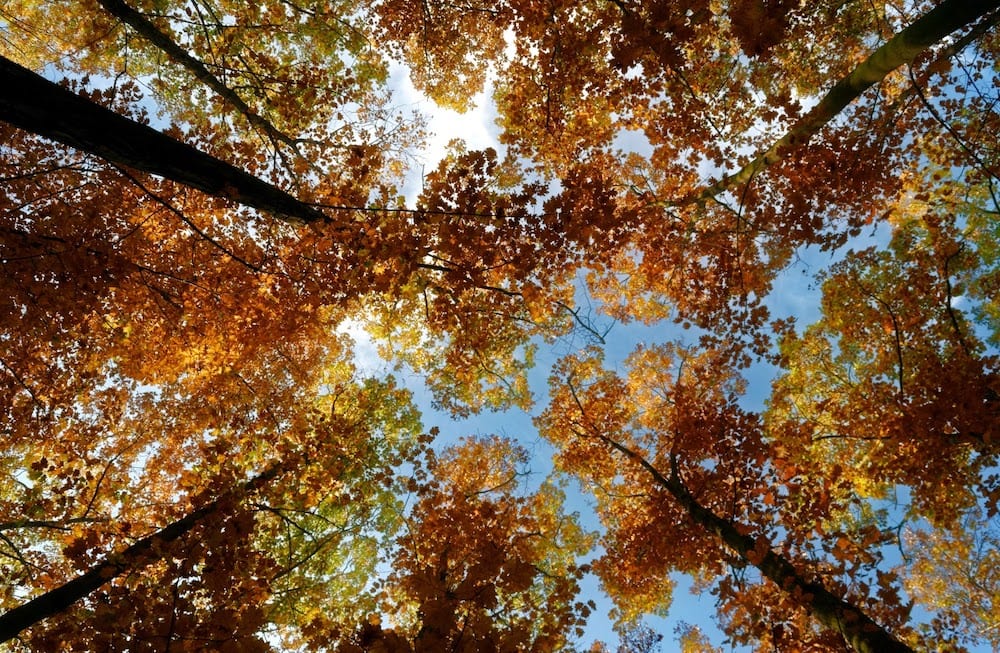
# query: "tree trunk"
{"points": [[902, 49], [49, 110], [141, 554], [859, 630], [178, 55]]}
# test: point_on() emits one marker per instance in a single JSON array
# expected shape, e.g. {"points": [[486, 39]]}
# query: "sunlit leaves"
{"points": [[953, 572], [160, 347], [894, 376], [483, 565], [450, 48]]}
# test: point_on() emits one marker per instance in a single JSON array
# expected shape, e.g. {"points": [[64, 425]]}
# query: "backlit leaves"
{"points": [[169, 356], [482, 566]]}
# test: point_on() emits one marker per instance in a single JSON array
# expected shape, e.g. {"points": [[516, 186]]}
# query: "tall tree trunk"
{"points": [[177, 54], [858, 629], [941, 21], [51, 111], [139, 555]]}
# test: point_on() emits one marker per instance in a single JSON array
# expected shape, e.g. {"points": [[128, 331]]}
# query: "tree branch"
{"points": [[903, 48], [136, 556]]}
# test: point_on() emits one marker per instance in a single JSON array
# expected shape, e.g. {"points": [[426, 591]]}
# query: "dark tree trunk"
{"points": [[144, 552], [51, 111]]}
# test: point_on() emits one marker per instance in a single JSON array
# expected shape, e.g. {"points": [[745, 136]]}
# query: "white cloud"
{"points": [[476, 127]]}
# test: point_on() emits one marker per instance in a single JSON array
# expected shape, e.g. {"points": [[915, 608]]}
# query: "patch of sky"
{"points": [[476, 128]]}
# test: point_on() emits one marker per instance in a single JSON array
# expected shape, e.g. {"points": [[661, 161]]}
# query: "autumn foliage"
{"points": [[753, 245]]}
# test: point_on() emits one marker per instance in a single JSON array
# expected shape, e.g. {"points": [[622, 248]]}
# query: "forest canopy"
{"points": [[202, 200]]}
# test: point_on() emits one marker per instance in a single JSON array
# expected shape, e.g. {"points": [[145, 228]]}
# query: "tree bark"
{"points": [[902, 49], [859, 630], [137, 556], [51, 111]]}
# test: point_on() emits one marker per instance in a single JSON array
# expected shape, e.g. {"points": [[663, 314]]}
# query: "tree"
{"points": [[955, 575], [709, 253], [229, 73], [174, 297], [696, 471], [248, 553], [480, 566], [132, 559]]}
